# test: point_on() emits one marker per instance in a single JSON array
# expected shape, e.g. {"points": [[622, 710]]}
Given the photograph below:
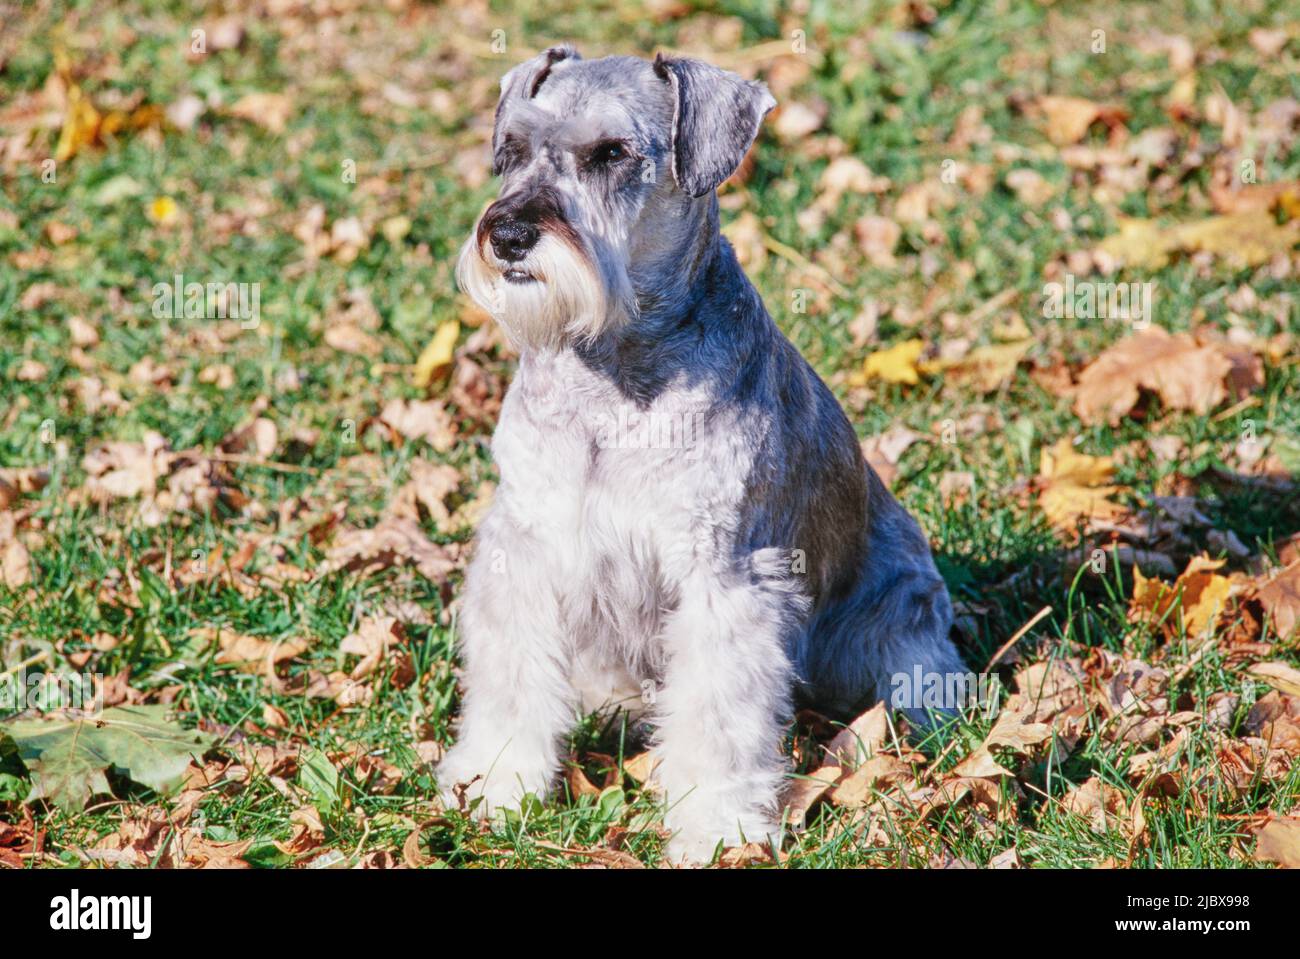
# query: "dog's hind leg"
{"points": [[889, 638]]}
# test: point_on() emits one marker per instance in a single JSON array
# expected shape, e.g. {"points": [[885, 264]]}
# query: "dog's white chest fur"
{"points": [[615, 495]]}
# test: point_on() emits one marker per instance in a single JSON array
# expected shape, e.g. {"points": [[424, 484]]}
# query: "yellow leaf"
{"points": [[162, 210], [80, 125], [1200, 593], [985, 368], [1076, 486], [1249, 239], [437, 355], [896, 364], [1245, 239]]}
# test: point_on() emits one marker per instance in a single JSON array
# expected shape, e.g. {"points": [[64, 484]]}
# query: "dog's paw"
{"points": [[696, 846], [483, 789]]}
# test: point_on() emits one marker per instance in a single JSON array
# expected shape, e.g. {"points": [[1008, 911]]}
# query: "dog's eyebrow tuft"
{"points": [[553, 56]]}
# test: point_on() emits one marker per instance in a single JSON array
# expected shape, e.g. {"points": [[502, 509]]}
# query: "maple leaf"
{"points": [[1281, 599], [1074, 486], [1244, 239], [1200, 594], [985, 368], [1186, 375], [68, 755]]}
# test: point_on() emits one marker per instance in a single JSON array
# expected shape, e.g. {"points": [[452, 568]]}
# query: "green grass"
{"points": [[893, 100]]}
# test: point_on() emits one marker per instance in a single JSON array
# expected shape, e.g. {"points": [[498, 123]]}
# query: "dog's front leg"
{"points": [[518, 700], [722, 710]]}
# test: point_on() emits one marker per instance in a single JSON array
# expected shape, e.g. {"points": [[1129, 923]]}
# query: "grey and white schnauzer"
{"points": [[684, 523]]}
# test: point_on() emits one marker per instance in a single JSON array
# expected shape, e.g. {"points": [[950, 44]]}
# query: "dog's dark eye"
{"points": [[512, 153], [608, 152]]}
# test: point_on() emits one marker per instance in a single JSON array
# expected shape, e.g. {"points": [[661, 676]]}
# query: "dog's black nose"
{"points": [[512, 240]]}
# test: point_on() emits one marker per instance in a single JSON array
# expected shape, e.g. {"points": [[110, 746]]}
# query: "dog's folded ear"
{"points": [[523, 82], [715, 121]]}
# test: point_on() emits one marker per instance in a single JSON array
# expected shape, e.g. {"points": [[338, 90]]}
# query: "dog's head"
{"points": [[603, 164]]}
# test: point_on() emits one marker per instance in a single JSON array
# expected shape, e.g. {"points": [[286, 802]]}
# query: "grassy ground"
{"points": [[355, 277]]}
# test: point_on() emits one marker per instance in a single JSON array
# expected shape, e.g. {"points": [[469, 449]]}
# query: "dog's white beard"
{"points": [[567, 301]]}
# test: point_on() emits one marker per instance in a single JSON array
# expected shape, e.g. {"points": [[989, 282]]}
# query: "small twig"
{"points": [[986, 310], [258, 461], [422, 162], [1236, 408], [798, 259], [1019, 634], [30, 660]]}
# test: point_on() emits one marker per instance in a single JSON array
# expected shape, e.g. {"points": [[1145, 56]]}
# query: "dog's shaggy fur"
{"points": [[684, 523]]}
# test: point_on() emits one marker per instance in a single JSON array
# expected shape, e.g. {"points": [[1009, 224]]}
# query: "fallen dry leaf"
{"points": [[374, 637], [392, 542], [1100, 804], [426, 420], [1281, 599], [985, 368], [804, 792], [1075, 486], [1068, 118], [252, 654], [858, 788], [428, 485], [1243, 239], [1279, 842], [1185, 374], [1200, 594], [897, 364], [435, 359], [271, 111], [884, 451], [1279, 675], [860, 739]]}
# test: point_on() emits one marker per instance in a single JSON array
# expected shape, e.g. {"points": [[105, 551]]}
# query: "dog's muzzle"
{"points": [[514, 225]]}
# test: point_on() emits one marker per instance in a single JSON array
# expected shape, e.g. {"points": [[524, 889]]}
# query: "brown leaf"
{"points": [[805, 792], [252, 654], [981, 764], [1200, 593], [268, 110], [883, 452], [15, 564], [1278, 675], [642, 767], [1185, 375], [857, 789], [860, 739], [1281, 599], [1103, 806], [1068, 118], [1015, 731], [374, 637], [428, 485], [1279, 842], [391, 542], [421, 419]]}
